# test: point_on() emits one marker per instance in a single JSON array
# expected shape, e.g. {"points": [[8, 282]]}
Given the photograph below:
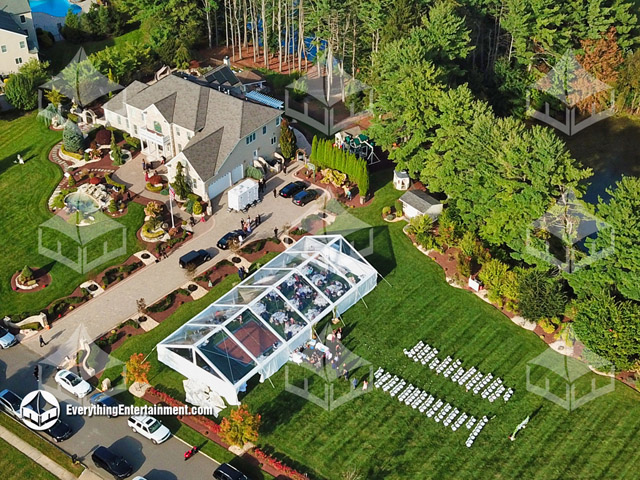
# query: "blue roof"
{"points": [[265, 100]]}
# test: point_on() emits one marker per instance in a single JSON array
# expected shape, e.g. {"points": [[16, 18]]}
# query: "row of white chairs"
{"points": [[476, 431], [472, 379]]}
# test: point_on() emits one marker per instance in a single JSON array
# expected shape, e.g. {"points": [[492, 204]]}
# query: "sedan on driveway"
{"points": [[304, 197], [112, 463], [104, 400], [236, 235], [150, 428], [73, 383], [7, 339], [10, 403], [292, 188], [60, 431]]}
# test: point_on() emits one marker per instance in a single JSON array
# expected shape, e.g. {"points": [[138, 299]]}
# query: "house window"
{"points": [[255, 154], [157, 127], [251, 138], [274, 140], [179, 147], [264, 130], [177, 132], [18, 60], [135, 129], [3, 48], [23, 19], [188, 136], [22, 44], [127, 122], [119, 120], [278, 121]]}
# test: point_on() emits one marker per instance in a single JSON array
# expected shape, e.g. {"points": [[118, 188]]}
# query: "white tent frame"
{"points": [[329, 252]]}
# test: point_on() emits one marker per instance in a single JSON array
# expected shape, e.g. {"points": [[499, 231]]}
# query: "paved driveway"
{"points": [[155, 281]]}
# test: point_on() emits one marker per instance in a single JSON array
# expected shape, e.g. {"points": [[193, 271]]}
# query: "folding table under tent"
{"points": [[255, 327]]}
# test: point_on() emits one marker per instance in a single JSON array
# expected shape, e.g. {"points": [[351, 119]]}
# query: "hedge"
{"points": [[154, 188], [77, 156], [325, 155], [149, 234], [119, 186]]}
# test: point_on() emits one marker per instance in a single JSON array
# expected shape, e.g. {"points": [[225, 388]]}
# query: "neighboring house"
{"points": [[417, 202], [214, 135], [18, 40]]}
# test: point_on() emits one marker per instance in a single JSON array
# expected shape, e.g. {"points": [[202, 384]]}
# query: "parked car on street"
{"points": [[60, 431], [150, 428], [228, 472], [104, 400], [73, 383], [304, 197], [292, 188], [10, 403], [227, 240], [112, 463], [195, 258], [7, 339]]}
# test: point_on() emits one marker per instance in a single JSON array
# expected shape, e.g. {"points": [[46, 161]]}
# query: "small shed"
{"points": [[417, 202], [401, 180]]}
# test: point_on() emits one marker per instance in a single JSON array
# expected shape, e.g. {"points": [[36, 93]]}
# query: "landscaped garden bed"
{"points": [[113, 275], [165, 307], [216, 273], [30, 279], [116, 337]]}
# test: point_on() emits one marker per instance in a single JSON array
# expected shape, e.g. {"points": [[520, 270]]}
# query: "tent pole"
{"points": [[269, 378], [385, 280], [149, 353]]}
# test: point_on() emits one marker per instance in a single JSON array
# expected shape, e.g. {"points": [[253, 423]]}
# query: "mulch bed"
{"points": [[178, 300], [269, 246], [123, 333], [129, 261], [335, 192], [39, 275], [247, 59], [215, 274]]}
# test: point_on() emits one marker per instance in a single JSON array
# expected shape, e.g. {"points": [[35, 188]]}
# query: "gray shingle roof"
{"points": [[419, 200], [219, 120], [7, 23], [116, 104], [15, 6]]}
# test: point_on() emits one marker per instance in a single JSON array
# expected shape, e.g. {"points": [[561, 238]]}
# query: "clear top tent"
{"points": [[256, 326]]}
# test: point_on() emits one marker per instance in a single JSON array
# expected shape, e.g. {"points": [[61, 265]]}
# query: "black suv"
{"points": [[112, 463], [195, 258], [227, 472], [225, 242]]}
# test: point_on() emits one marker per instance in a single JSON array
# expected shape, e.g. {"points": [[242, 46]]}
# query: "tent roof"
{"points": [[234, 337]]}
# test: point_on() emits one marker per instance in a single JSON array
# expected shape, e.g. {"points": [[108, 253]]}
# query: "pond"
{"points": [[610, 148]]}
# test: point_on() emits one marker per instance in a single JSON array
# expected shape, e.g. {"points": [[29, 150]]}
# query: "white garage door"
{"points": [[219, 186], [237, 173]]}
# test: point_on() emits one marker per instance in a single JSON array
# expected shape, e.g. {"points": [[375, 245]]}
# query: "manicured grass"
{"points": [[381, 438], [61, 53], [15, 464], [41, 445], [24, 193]]}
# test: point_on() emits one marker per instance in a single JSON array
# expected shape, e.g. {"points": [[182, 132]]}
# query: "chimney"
{"points": [[226, 61]]}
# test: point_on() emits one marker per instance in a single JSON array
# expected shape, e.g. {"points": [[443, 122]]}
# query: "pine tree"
{"points": [[180, 182], [287, 140], [72, 137]]}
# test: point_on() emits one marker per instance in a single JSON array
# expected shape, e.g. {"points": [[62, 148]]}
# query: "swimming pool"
{"points": [[56, 8]]}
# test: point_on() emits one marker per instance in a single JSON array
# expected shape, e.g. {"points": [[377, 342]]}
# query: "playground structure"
{"points": [[356, 142]]}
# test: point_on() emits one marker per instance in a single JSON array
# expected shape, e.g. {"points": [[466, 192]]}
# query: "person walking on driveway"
{"points": [[275, 193], [42, 342], [275, 232]]}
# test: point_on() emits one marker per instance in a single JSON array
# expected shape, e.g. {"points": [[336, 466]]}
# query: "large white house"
{"points": [[215, 136], [18, 40]]}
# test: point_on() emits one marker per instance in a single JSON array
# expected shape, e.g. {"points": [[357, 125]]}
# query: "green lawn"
{"points": [[24, 193], [35, 440], [61, 53], [15, 464], [381, 438]]}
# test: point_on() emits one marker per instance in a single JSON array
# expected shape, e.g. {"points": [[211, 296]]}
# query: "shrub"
{"points": [[116, 152], [426, 240], [72, 137], [103, 137], [77, 156], [73, 117], [197, 208], [71, 181], [132, 143], [146, 230], [113, 208], [399, 207], [121, 188], [86, 157], [26, 274], [58, 201], [547, 325], [386, 211], [464, 265], [154, 188], [163, 304]]}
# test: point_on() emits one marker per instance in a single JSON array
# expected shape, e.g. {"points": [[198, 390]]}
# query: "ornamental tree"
{"points": [[288, 143], [72, 137], [240, 427], [137, 369], [180, 182]]}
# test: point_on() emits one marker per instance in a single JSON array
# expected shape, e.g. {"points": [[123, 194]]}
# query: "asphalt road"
{"points": [[153, 462]]}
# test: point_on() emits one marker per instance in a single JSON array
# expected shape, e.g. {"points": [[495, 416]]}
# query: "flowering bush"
{"points": [[240, 427], [278, 465]]}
